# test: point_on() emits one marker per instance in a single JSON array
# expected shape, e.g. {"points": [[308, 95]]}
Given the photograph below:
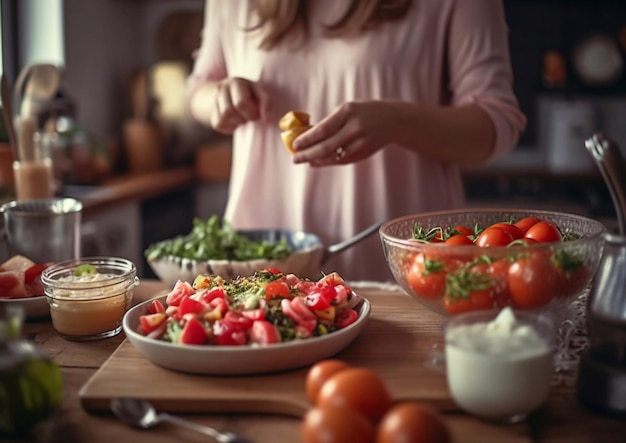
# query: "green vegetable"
{"points": [[208, 240], [31, 384], [85, 269]]}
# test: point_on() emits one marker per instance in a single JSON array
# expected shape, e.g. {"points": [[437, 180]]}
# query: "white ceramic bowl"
{"points": [[240, 360], [305, 261]]}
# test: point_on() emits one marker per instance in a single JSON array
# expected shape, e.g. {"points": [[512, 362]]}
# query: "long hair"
{"points": [[277, 18]]}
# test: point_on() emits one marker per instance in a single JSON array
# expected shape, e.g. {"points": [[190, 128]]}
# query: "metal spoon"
{"points": [[141, 414]]}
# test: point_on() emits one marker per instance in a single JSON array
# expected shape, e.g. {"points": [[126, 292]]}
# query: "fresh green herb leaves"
{"points": [[210, 240]]}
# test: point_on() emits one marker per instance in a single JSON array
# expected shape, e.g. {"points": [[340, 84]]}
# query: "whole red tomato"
{"points": [[532, 281], [515, 232], [360, 389], [525, 223], [319, 373], [335, 424], [494, 236], [544, 232], [411, 421], [426, 277], [459, 240], [470, 289]]}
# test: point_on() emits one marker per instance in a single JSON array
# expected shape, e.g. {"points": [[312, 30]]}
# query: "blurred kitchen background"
{"points": [[124, 62]]}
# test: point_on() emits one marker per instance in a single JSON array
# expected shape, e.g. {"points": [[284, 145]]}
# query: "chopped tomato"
{"points": [[346, 318], [297, 311], [277, 289], [226, 335], [332, 279], [181, 290], [254, 314], [208, 296], [320, 298], [150, 322], [33, 272], [263, 333], [274, 270], [156, 307], [190, 306], [238, 321], [193, 332]]}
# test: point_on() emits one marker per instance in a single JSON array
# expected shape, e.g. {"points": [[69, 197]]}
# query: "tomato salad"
{"points": [[525, 278], [268, 307]]}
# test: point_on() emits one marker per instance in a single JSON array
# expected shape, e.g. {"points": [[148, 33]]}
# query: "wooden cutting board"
{"points": [[398, 341]]}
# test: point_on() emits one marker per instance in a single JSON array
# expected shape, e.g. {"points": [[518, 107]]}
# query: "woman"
{"points": [[404, 93]]}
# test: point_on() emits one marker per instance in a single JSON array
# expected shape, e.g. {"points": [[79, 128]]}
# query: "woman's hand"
{"points": [[236, 101], [352, 132]]}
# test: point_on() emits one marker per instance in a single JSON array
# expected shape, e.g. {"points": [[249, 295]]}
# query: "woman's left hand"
{"points": [[352, 132]]}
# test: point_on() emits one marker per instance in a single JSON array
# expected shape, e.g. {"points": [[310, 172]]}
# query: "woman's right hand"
{"points": [[237, 101]]}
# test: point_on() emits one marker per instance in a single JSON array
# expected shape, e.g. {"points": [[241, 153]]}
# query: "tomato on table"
{"points": [[319, 373], [335, 424]]}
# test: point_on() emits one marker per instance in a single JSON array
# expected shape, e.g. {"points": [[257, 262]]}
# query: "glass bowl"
{"points": [[88, 297], [450, 280]]}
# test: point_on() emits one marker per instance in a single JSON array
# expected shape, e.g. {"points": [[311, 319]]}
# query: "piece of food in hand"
{"points": [[293, 124], [294, 119]]}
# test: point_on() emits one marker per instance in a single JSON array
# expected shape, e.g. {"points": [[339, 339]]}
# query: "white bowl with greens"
{"points": [[216, 248]]}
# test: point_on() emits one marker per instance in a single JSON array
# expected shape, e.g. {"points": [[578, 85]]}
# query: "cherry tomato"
{"points": [[525, 223], [544, 232], [459, 240], [427, 278], [463, 230], [412, 422], [360, 389], [532, 281], [494, 237], [515, 232], [319, 373], [476, 300], [335, 424]]}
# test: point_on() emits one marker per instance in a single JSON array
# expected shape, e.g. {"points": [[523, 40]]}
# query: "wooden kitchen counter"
{"points": [[561, 419]]}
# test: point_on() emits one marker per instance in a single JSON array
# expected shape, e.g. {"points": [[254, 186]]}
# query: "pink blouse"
{"points": [[455, 45]]}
